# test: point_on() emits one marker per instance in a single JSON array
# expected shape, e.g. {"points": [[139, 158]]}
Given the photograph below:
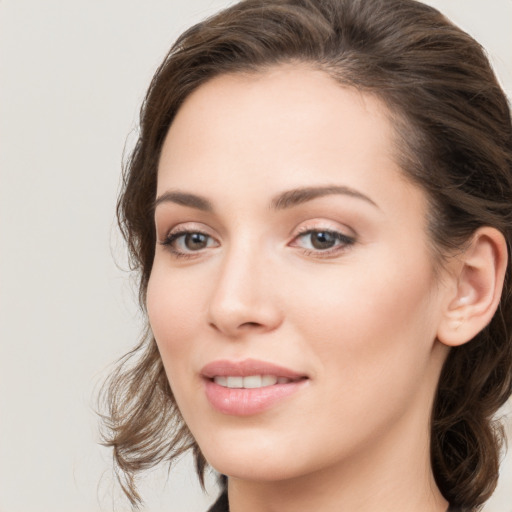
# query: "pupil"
{"points": [[322, 240], [195, 241]]}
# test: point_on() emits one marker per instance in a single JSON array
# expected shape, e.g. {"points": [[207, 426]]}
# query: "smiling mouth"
{"points": [[250, 381], [250, 386]]}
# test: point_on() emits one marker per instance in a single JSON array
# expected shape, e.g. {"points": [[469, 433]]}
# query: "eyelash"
{"points": [[345, 242]]}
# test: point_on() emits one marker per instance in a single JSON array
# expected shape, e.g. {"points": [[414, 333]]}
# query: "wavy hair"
{"points": [[453, 125]]}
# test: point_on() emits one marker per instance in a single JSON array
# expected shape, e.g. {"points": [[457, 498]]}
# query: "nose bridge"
{"points": [[242, 298]]}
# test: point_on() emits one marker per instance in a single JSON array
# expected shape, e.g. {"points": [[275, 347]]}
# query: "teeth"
{"points": [[268, 380], [222, 381], [235, 382], [249, 382], [254, 381]]}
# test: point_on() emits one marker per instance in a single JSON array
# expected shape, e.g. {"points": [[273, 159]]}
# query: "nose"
{"points": [[244, 299]]}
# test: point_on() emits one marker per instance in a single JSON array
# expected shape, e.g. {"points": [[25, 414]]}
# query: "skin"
{"points": [[361, 321]]}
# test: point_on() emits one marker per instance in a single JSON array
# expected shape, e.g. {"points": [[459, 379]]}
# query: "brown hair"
{"points": [[453, 122]]}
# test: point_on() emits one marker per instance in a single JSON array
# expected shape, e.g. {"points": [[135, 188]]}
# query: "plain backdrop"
{"points": [[72, 77]]}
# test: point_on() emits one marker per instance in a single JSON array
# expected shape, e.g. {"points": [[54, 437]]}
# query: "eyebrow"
{"points": [[301, 195], [282, 201], [184, 199]]}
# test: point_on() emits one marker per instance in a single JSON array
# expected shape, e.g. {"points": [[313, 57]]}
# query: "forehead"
{"points": [[284, 127], [293, 100]]}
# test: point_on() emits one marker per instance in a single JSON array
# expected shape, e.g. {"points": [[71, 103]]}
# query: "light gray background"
{"points": [[73, 75]]}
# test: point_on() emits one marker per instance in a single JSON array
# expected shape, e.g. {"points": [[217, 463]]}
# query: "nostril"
{"points": [[239, 317], [212, 325], [240, 328], [251, 324]]}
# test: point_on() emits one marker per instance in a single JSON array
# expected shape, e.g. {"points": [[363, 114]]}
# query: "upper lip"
{"points": [[224, 367]]}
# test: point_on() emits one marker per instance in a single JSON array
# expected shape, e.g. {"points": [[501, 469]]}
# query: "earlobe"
{"points": [[478, 275]]}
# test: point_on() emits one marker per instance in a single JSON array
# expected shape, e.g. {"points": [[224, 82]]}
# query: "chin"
{"points": [[263, 460], [248, 470], [260, 458]]}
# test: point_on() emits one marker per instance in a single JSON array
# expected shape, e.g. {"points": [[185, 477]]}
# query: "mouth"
{"points": [[242, 388], [250, 382], [249, 373]]}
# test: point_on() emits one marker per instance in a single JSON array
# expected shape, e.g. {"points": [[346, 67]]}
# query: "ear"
{"points": [[477, 275]]}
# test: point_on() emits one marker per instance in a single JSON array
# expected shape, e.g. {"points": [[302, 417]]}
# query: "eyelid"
{"points": [[324, 225], [186, 227]]}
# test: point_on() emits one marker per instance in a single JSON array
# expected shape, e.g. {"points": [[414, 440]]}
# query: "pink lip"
{"points": [[246, 402], [247, 367]]}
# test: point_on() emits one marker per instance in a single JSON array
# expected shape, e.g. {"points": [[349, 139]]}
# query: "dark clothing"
{"points": [[222, 505]]}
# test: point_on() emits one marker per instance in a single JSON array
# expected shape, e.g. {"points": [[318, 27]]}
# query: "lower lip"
{"points": [[245, 402]]}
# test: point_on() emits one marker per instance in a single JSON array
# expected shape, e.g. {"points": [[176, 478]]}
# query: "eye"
{"points": [[323, 241], [184, 243]]}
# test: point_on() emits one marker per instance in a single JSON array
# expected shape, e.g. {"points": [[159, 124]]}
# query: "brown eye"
{"points": [[186, 243], [195, 241], [322, 239]]}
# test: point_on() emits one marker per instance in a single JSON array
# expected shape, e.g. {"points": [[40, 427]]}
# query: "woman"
{"points": [[320, 208]]}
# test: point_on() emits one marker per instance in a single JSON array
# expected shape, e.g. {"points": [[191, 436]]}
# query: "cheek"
{"points": [[370, 337], [173, 305], [370, 318]]}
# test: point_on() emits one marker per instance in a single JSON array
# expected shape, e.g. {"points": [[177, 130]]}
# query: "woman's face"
{"points": [[293, 295]]}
